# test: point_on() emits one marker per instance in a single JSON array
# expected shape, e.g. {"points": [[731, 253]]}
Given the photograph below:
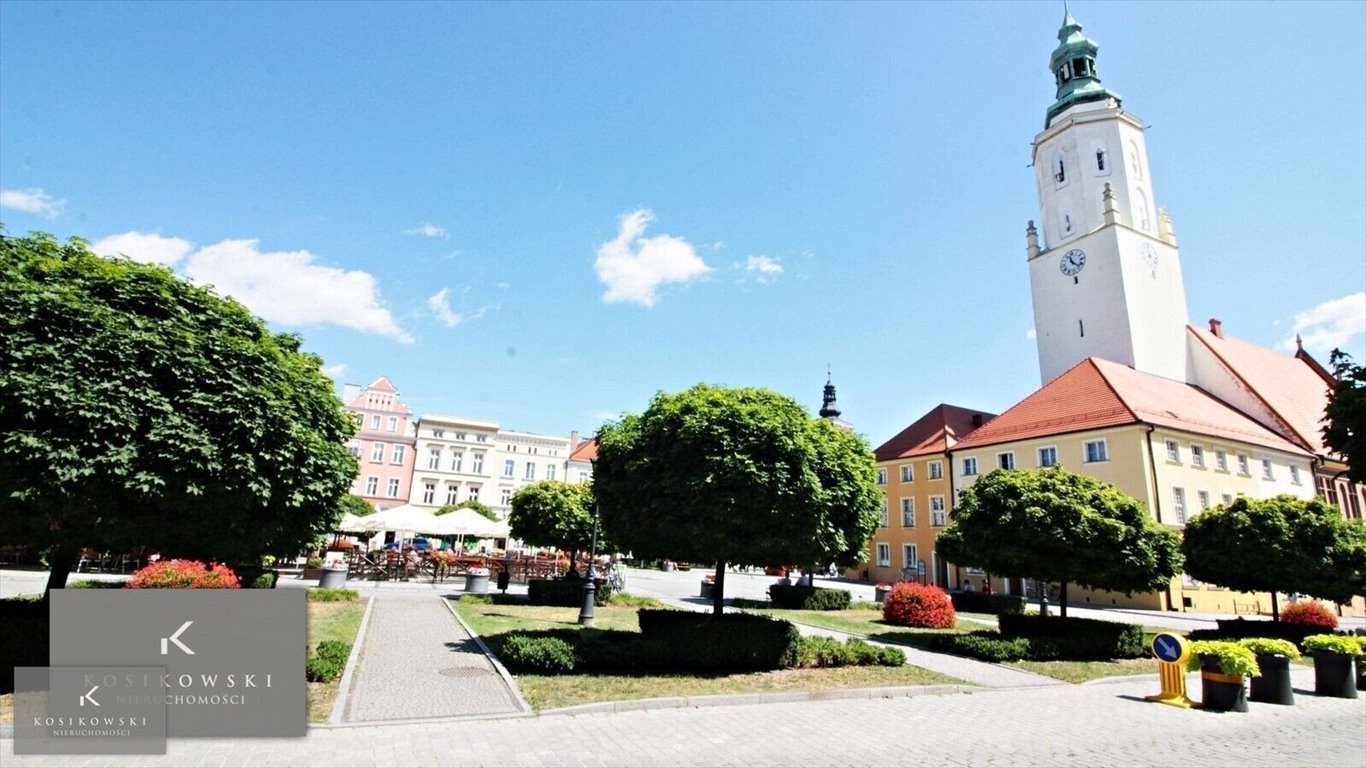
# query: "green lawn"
{"points": [[552, 691], [330, 621]]}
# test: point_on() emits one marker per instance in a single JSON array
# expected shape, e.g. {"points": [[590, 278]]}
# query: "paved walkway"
{"points": [[417, 661]]}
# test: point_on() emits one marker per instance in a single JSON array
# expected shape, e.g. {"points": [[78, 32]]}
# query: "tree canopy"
{"points": [[478, 506], [553, 513], [1284, 544], [142, 410], [1345, 431], [1054, 525], [741, 476]]}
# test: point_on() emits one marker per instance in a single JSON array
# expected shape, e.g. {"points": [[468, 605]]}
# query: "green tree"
{"points": [[1345, 431], [736, 476], [553, 513], [351, 504], [1284, 544], [139, 409], [478, 506], [1054, 525]]}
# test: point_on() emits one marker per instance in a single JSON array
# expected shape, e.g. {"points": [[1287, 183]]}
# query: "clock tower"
{"points": [[1103, 264]]}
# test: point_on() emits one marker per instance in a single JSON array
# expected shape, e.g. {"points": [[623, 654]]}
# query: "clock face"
{"points": [[1149, 255], [1072, 262]]}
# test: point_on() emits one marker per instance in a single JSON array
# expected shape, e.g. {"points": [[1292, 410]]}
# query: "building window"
{"points": [[377, 451], [1179, 505], [550, 471], [883, 514], [1294, 474], [393, 487], [1173, 451], [1048, 457], [884, 554], [434, 459], [371, 486], [481, 438], [509, 468], [1197, 457], [457, 460], [474, 493], [354, 450], [907, 512], [910, 556], [936, 470], [399, 452], [459, 435], [1100, 159], [1242, 466], [506, 498], [530, 471], [1226, 498], [374, 421], [1006, 460], [478, 468], [429, 493], [393, 423], [1096, 451], [1220, 460], [969, 466], [1266, 470], [937, 511], [439, 433], [881, 475], [452, 493], [1059, 170], [907, 473], [1202, 497]]}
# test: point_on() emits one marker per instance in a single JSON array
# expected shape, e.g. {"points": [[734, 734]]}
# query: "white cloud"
{"points": [[633, 266], [32, 201], [441, 305], [1330, 325], [1031, 334], [147, 248], [428, 230], [766, 268], [288, 287], [334, 372]]}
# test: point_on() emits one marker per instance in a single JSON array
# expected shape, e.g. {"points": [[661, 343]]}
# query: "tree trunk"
{"points": [[573, 564], [1275, 607], [62, 560], [718, 589], [1062, 599]]}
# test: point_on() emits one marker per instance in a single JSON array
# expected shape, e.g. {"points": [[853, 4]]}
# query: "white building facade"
{"points": [[454, 461]]}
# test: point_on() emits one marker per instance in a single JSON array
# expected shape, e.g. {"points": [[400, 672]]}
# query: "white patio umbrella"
{"points": [[466, 522], [403, 519]]}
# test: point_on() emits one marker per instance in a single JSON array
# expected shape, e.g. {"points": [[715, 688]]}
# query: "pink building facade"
{"points": [[385, 443]]}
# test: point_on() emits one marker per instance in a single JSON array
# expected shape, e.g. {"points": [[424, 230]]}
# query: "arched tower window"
{"points": [[1059, 169], [1144, 221], [1100, 158], [1134, 164]]}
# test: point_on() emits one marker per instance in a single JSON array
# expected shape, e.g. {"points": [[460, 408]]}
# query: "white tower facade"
{"points": [[1106, 278]]}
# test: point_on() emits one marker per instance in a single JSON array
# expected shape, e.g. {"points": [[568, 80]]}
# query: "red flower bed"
{"points": [[1309, 613], [184, 574], [919, 605]]}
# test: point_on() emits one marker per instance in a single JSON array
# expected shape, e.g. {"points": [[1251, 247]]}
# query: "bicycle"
{"points": [[616, 578]]}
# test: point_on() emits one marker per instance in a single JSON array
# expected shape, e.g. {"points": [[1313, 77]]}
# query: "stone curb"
{"points": [[344, 688], [488, 654], [744, 699]]}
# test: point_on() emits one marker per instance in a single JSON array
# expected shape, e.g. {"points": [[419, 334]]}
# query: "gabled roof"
{"points": [[1292, 387], [586, 451], [935, 432], [1095, 394], [382, 384]]}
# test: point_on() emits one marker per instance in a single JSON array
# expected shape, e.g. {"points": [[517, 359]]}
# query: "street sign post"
{"points": [[1172, 652]]}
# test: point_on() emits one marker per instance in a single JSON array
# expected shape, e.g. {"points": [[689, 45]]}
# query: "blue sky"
{"points": [[544, 213]]}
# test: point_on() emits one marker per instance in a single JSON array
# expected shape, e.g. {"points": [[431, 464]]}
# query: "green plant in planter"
{"points": [[1234, 659], [314, 562], [1265, 646], [1344, 644]]}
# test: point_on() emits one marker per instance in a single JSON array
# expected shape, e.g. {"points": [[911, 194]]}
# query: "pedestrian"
{"points": [[967, 586]]}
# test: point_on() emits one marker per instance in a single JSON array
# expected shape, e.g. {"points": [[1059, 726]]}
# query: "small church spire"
{"points": [[1073, 64]]}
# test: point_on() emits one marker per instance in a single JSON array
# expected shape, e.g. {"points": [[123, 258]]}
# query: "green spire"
{"points": [[1074, 67]]}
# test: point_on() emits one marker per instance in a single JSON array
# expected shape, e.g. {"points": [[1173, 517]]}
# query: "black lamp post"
{"points": [[590, 584]]}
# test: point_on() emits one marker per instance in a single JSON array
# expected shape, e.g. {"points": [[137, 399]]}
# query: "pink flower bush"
{"points": [[184, 574]]}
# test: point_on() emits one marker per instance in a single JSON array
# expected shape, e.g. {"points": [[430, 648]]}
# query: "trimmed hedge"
{"points": [[1055, 637], [256, 577], [731, 641], [23, 638], [330, 595], [984, 644], [978, 602], [565, 593], [809, 598], [328, 663], [1237, 629], [538, 654], [828, 652]]}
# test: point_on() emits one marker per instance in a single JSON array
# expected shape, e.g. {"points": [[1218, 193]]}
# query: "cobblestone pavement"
{"points": [[1103, 723], [417, 661]]}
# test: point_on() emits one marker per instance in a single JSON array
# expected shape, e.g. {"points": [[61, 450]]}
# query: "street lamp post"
{"points": [[590, 583]]}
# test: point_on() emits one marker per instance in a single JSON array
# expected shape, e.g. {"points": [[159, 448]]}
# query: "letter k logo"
{"points": [[90, 697], [175, 638]]}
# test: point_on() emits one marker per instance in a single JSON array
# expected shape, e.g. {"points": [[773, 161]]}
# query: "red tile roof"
{"points": [[1095, 394], [1289, 385], [935, 432], [586, 451], [382, 385]]}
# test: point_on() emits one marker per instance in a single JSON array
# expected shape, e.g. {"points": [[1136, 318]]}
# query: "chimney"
{"points": [[1216, 327], [976, 420], [573, 439]]}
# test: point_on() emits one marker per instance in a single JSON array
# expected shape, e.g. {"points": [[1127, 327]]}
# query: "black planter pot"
{"points": [[1218, 691], [1273, 687], [1334, 675], [1361, 673]]}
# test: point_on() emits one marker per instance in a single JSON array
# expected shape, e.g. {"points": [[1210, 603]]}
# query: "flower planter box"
{"points": [[1220, 692], [332, 578], [1273, 687], [707, 588], [1334, 675]]}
